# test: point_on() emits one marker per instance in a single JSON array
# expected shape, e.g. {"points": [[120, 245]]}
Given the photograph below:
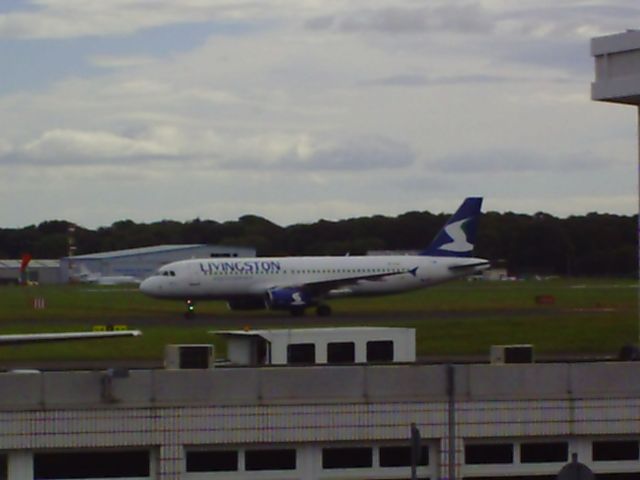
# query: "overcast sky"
{"points": [[307, 109]]}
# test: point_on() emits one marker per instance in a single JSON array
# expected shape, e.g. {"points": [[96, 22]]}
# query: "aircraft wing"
{"points": [[322, 287], [23, 338]]}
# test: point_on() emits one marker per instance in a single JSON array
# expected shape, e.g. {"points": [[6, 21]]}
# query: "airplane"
{"points": [[22, 338], [297, 283], [84, 275]]}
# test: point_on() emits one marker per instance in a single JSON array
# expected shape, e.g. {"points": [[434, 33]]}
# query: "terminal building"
{"points": [[322, 420]]}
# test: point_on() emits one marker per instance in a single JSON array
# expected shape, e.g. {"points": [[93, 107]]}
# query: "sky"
{"points": [[301, 110]]}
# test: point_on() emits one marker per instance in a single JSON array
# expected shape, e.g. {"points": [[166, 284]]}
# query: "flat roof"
{"points": [[340, 332], [150, 250], [618, 42]]}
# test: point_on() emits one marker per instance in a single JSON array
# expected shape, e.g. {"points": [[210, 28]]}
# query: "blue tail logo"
{"points": [[458, 236]]}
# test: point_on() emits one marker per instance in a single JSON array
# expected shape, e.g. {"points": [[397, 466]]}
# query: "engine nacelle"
{"points": [[247, 303], [288, 298]]}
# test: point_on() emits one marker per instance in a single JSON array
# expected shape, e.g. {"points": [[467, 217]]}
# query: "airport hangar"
{"points": [[135, 262], [321, 420], [142, 262]]}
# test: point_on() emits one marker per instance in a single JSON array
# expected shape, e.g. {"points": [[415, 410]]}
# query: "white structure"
{"points": [[39, 271], [617, 67], [322, 422], [320, 346], [617, 61], [142, 262]]}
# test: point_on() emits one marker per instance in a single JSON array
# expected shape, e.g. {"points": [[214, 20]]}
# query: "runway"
{"points": [[285, 320]]}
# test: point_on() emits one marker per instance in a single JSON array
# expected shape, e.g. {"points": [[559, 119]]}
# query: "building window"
{"points": [[487, 453], [301, 353], [194, 356], [534, 477], [544, 452], [212, 461], [401, 456], [282, 459], [380, 351], [91, 464], [351, 457], [341, 352], [612, 450]]}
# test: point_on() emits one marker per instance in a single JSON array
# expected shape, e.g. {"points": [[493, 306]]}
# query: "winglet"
{"points": [[458, 236]]}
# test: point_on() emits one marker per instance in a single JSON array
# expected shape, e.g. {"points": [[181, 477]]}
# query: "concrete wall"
{"points": [[308, 407], [321, 384]]}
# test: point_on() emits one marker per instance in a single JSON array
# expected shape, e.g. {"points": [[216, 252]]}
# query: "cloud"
{"points": [[204, 149], [515, 161], [415, 80], [304, 153], [55, 19], [71, 146], [5, 147], [113, 61], [460, 18], [561, 20]]}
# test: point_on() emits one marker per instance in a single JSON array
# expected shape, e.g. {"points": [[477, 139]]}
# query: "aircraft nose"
{"points": [[148, 286]]}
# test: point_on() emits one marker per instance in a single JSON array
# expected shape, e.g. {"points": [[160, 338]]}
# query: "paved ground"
{"points": [[283, 319]]}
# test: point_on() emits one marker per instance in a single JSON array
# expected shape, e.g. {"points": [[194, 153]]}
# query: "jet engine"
{"points": [[288, 299]]}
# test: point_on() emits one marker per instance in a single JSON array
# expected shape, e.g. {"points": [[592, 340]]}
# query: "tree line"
{"points": [[540, 244]]}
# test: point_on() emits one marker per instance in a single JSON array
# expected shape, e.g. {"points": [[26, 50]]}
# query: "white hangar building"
{"points": [[39, 271], [139, 263]]}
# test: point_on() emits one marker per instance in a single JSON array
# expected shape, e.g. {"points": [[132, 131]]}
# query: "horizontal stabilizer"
{"points": [[470, 265]]}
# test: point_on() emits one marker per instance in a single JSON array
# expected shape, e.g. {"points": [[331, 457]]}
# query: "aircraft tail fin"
{"points": [[458, 236]]}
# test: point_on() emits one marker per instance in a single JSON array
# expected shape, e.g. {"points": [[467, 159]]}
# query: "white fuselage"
{"points": [[229, 278]]}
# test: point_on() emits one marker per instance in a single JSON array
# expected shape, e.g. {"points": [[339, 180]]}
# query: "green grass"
{"points": [[588, 316]]}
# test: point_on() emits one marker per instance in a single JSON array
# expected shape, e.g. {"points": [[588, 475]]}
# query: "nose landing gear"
{"points": [[191, 309]]}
